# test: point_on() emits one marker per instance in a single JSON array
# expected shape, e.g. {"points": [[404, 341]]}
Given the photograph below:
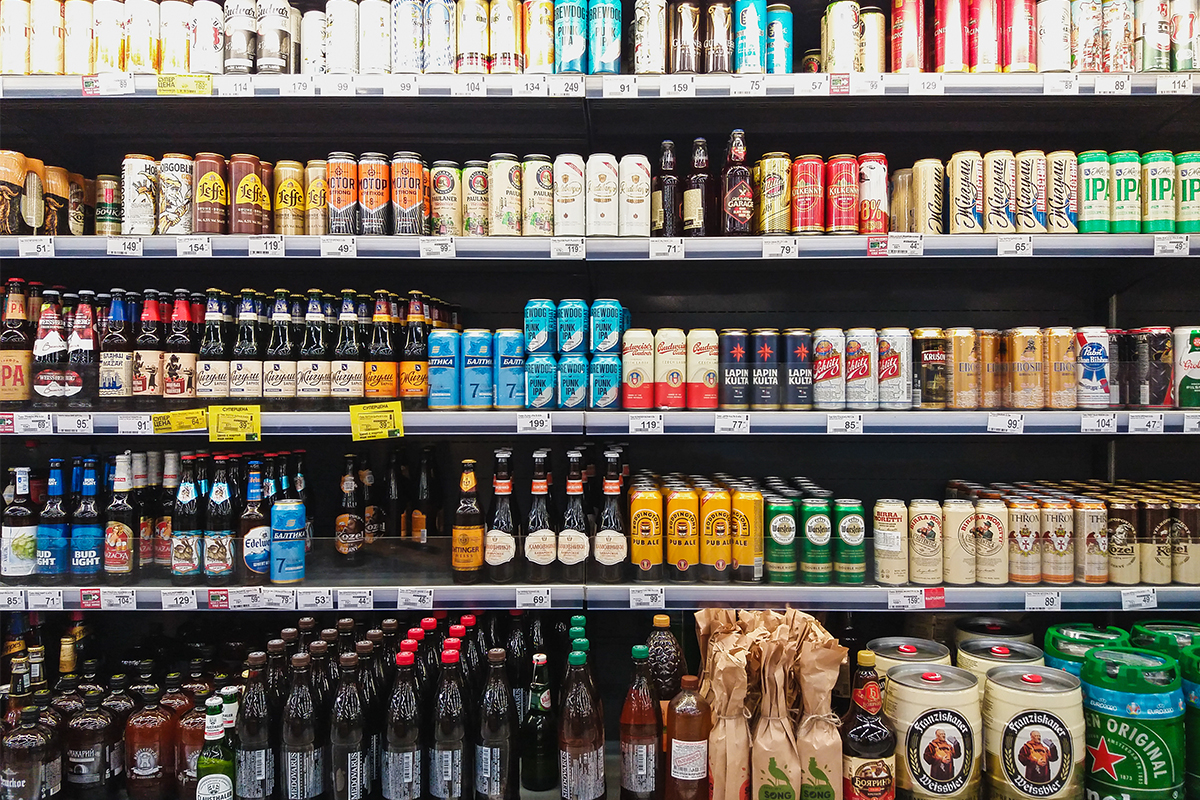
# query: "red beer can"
{"points": [[1018, 48], [808, 194], [841, 195], [984, 34], [873, 214], [908, 36], [951, 50]]}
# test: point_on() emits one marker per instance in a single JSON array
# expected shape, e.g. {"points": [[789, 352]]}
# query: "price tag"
{"points": [[123, 246], [1191, 423], [780, 247], [44, 599], [194, 419], [178, 599], [1061, 83], [89, 599], [1008, 246], [362, 599], [277, 599], [731, 422], [534, 422], [905, 599], [463, 86], [401, 85], [421, 599], [266, 246], [437, 247], [369, 421], [678, 86], [1005, 423], [184, 85], [747, 86], [566, 85], [114, 84], [336, 85], [1145, 422], [1172, 244], [812, 84], [6, 422], [843, 423], [1113, 84], [73, 423], [339, 247], [12, 599], [1180, 83], [935, 598], [927, 83], [531, 86], [669, 248], [35, 247], [134, 424], [1043, 601], [1098, 423], [234, 424], [118, 599], [624, 86], [314, 599], [244, 598], [193, 247], [647, 597], [33, 424], [905, 244], [568, 247], [234, 85], [1135, 599], [298, 86], [864, 83], [218, 598], [533, 598], [645, 423]]}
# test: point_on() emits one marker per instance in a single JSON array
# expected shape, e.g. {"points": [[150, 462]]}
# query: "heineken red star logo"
{"points": [[765, 352], [1103, 760]]}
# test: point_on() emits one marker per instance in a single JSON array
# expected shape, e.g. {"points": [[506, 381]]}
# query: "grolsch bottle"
{"points": [[497, 760], [16, 348], [610, 551], [215, 770], [300, 775], [313, 376], [212, 365], [89, 739], [541, 541], [346, 772], [503, 548], [450, 765], [53, 536], [220, 555], [179, 355], [574, 540], [49, 353], [187, 533], [539, 732], [688, 726], [665, 200], [414, 358], [150, 749], [121, 528], [736, 189], [641, 733], [467, 544], [374, 522], [346, 365], [148, 356], [401, 770], [115, 374], [868, 741], [87, 529], [698, 193], [381, 372], [580, 735], [82, 376], [254, 531], [18, 540], [349, 527], [279, 361], [245, 360]]}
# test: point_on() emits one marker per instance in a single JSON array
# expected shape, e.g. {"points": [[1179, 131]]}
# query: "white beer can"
{"points": [[829, 373], [312, 43], [569, 212], [1054, 35], [46, 37], [78, 44], [14, 37], [602, 195], [862, 369], [374, 37], [176, 29], [408, 37], [341, 37], [895, 369], [633, 218], [207, 56], [141, 37]]}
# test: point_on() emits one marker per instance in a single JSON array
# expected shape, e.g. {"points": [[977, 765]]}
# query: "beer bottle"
{"points": [[150, 749], [254, 531], [245, 361], [503, 551], [610, 552], [664, 195], [362, 313], [16, 348], [424, 520], [641, 733], [349, 529], [399, 503], [736, 190], [49, 353], [212, 365], [20, 532], [53, 539], [270, 484], [115, 374], [279, 361], [197, 316], [688, 725], [87, 533], [373, 513], [304, 496], [255, 760], [401, 771], [87, 739], [187, 538], [539, 732], [380, 373], [541, 542], [219, 541], [215, 770], [519, 665], [371, 693], [144, 515], [449, 757], [346, 772], [313, 369], [580, 735], [698, 192], [148, 356], [497, 764], [467, 546], [868, 742], [166, 512], [179, 355], [346, 368], [120, 527], [414, 358], [26, 750], [574, 540], [81, 380], [300, 775], [667, 661], [296, 306]]}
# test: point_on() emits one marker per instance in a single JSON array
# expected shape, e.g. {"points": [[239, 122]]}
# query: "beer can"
{"points": [[1186, 347], [1158, 192], [718, 46], [1060, 366], [1187, 192], [1054, 36], [374, 192], [477, 391], [541, 326], [1091, 540], [964, 176], [341, 37], [55, 202], [999, 192], [273, 41], [633, 215], [1062, 214], [962, 368], [508, 347], [174, 202], [991, 542], [1024, 540], [504, 195], [984, 34], [1087, 36], [638, 369], [1155, 541], [571, 37], [951, 23], [445, 370], [471, 52], [750, 36], [716, 546], [1093, 181], [702, 361], [1122, 363], [541, 382], [927, 196], [779, 39], [1026, 368], [505, 41], [446, 216], [288, 522], [873, 214], [316, 198], [406, 193], [798, 369], [537, 195], [650, 37], [1185, 519], [139, 193], [141, 36], [774, 207], [1058, 540], [900, 209], [475, 198], [108, 37], [958, 542], [602, 193], [440, 36], [683, 534], [210, 200], [1185, 35], [374, 37], [1154, 360], [1031, 191], [78, 45], [241, 44], [177, 24], [604, 382], [841, 181], [312, 43], [266, 180], [538, 36], [1092, 368], [15, 36], [908, 36], [810, 62], [829, 374], [1124, 562], [46, 37], [109, 205], [874, 40], [572, 326], [645, 531], [862, 369], [1018, 50], [733, 361], [604, 326], [746, 524], [930, 384], [1119, 33], [407, 36], [569, 197], [604, 37], [342, 189], [843, 52], [779, 539], [670, 368], [764, 369], [686, 48], [925, 560], [849, 552], [808, 194], [895, 369], [890, 537]]}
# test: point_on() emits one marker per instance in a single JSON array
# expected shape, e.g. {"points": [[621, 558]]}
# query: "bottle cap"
{"points": [[662, 621], [416, 634], [29, 715], [428, 624], [866, 658], [276, 646], [458, 631], [496, 655], [408, 646], [257, 658], [319, 648], [582, 645], [405, 658], [539, 659], [690, 682], [152, 695], [364, 648], [449, 656], [301, 661], [641, 652], [119, 681], [577, 633], [388, 626], [345, 624], [467, 620], [577, 658], [348, 660], [578, 621], [452, 643]]}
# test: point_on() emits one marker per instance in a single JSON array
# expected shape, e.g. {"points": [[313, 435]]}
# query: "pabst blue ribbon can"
{"points": [[872, 193], [829, 374], [1092, 368], [862, 369], [895, 369]]}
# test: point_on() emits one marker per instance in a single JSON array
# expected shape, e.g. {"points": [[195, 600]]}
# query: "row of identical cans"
{"points": [[745, 37], [573, 327], [1122, 192], [573, 381], [669, 369], [477, 369]]}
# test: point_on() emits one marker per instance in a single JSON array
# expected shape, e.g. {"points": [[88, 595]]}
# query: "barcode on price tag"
{"points": [[1098, 423], [44, 599], [1140, 598], [1113, 84], [1014, 246], [1043, 601], [1005, 423], [645, 423], [193, 247], [266, 246], [1145, 422], [669, 248], [844, 423], [437, 247], [73, 423], [277, 599], [530, 86], [337, 85], [747, 86], [905, 599], [178, 599], [533, 422], [134, 424], [533, 598], [731, 422], [905, 244], [1191, 423], [624, 86], [118, 599], [463, 86], [1174, 84], [362, 599], [12, 599], [1172, 244], [1061, 83], [566, 85], [647, 597], [32, 423], [35, 247], [414, 598], [243, 598], [123, 246], [339, 247], [314, 599]]}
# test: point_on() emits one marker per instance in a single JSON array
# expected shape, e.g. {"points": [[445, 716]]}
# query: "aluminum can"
{"points": [[538, 18], [266, 180], [210, 201], [1062, 213], [139, 193], [571, 37], [733, 361], [900, 208], [407, 36], [141, 36], [108, 205], [810, 62], [78, 44], [504, 195], [1187, 192], [1124, 561], [670, 368], [1031, 191], [316, 198], [829, 373], [930, 384], [964, 176], [1118, 35], [895, 369], [445, 184], [273, 41], [841, 182], [645, 526], [637, 369], [541, 382], [572, 326], [440, 34], [374, 190], [177, 26], [506, 46], [1018, 51], [174, 202], [1060, 367], [650, 37], [1152, 41], [475, 198], [1054, 36], [241, 26], [1122, 364], [1158, 192], [508, 347], [814, 529], [779, 39], [342, 188], [1058, 540], [374, 37], [1087, 36], [702, 364], [984, 34], [874, 40], [1094, 180], [716, 546], [798, 369], [569, 197], [604, 37], [808, 194], [958, 542], [849, 551], [1186, 347], [843, 52], [341, 37], [764, 370], [873, 214], [862, 369], [312, 43], [951, 22], [1092, 368], [774, 207], [908, 36], [537, 196], [1026, 368], [633, 215], [925, 542], [604, 382], [890, 535], [750, 36], [991, 542], [682, 534], [1091, 540], [747, 534], [478, 365], [471, 26], [445, 370], [406, 193], [108, 37], [1024, 540], [1153, 367], [602, 193], [1185, 521], [962, 368], [541, 326], [15, 37], [684, 36], [604, 326], [288, 523], [928, 192], [999, 192], [1185, 35]]}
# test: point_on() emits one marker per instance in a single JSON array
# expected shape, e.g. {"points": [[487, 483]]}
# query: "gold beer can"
{"points": [[928, 196], [962, 367], [991, 368], [716, 552], [1060, 367], [991, 541], [775, 205], [1058, 540], [747, 534], [1024, 540], [683, 534], [1026, 365], [1185, 538], [1154, 543], [900, 206], [1124, 563], [925, 560], [290, 198], [958, 542], [964, 192], [316, 198], [1000, 192], [1091, 540]]}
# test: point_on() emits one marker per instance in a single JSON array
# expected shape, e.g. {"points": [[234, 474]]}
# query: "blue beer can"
{"points": [[570, 36], [508, 359], [604, 382], [445, 362], [541, 382], [607, 323], [779, 39], [626, 320], [604, 37], [573, 381], [477, 391], [572, 326], [750, 37], [541, 326], [287, 541]]}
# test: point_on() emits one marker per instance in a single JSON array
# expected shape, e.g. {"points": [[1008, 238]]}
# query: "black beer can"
{"points": [[1154, 368], [798, 369], [734, 364], [764, 370]]}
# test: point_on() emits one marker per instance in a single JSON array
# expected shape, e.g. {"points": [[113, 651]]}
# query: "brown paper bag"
{"points": [[818, 742], [729, 741], [775, 767]]}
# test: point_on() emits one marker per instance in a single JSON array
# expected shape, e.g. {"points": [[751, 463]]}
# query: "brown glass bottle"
{"points": [[54, 724], [467, 546], [503, 544], [414, 357], [610, 548], [698, 193], [401, 766], [16, 348], [300, 761], [688, 726], [497, 748], [665, 200], [350, 527], [188, 744], [179, 355], [667, 662], [374, 513], [641, 733], [450, 764], [90, 737], [868, 741], [381, 372], [736, 190], [347, 738], [253, 754], [574, 539], [115, 389], [580, 735], [174, 698], [150, 749], [148, 356], [541, 539]]}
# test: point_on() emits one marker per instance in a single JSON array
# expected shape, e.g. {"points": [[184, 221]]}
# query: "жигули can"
{"points": [[808, 194], [734, 366], [445, 369], [872, 193], [829, 374], [964, 192], [928, 196], [1031, 191], [765, 393], [798, 369], [862, 373], [999, 192], [508, 361], [637, 369], [1062, 210]]}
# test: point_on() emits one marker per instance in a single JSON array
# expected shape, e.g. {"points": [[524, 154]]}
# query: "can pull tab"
{"points": [[931, 677], [1031, 678]]}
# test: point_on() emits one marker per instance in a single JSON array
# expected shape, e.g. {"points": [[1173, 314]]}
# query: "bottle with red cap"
{"points": [[400, 772], [868, 741], [449, 757], [473, 648]]}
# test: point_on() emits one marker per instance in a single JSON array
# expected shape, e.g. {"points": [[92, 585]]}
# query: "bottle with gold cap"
{"points": [[868, 742]]}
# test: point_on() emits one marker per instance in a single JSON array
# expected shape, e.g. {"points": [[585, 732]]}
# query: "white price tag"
{"points": [[44, 599], [115, 83], [568, 247], [533, 422], [669, 248], [1179, 83], [362, 599], [421, 599], [1140, 598], [779, 247], [747, 86], [731, 422], [178, 599], [193, 247], [73, 423], [1005, 423], [401, 85], [619, 86], [314, 599], [1113, 84], [533, 598], [35, 247], [339, 247], [277, 599], [1019, 246], [12, 599], [118, 599], [866, 83], [530, 86], [32, 424], [468, 86], [437, 247], [123, 246], [1172, 244], [677, 86], [1043, 601], [234, 85], [1191, 423], [927, 83], [298, 86], [905, 244], [266, 246], [244, 598], [812, 84], [844, 423], [647, 597], [905, 599], [645, 423], [566, 85], [1098, 423], [336, 85], [1145, 422], [134, 424], [1061, 83]]}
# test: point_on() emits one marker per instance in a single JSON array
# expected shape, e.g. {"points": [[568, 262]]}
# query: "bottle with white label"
{"points": [[279, 361], [215, 768], [18, 539], [610, 549], [574, 538], [688, 725], [503, 553], [541, 543], [245, 361]]}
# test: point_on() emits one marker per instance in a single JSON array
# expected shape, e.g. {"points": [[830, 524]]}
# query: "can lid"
{"points": [[1001, 650], [907, 648], [992, 626], [935, 677], [1036, 679]]}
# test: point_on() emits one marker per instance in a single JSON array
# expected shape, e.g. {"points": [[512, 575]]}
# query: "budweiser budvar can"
{"points": [[1091, 368], [1118, 36], [670, 367], [633, 218], [991, 368], [895, 369], [1054, 36], [872, 193], [637, 369], [999, 192], [1087, 36], [928, 193], [965, 192], [962, 368], [702, 347], [985, 35], [829, 374], [1018, 50], [951, 19], [1031, 191], [908, 36], [862, 369]]}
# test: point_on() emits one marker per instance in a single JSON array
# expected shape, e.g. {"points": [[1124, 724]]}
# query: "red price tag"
{"points": [[218, 598], [935, 598], [89, 598]]}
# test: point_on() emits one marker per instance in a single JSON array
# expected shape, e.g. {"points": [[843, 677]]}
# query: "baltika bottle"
{"points": [[688, 726], [212, 364], [497, 763], [736, 192], [115, 388], [641, 733], [402, 769], [665, 199], [346, 363], [313, 376], [300, 774], [350, 526], [698, 193], [574, 539], [450, 768], [245, 360], [381, 372], [82, 375], [868, 742], [49, 353], [414, 358], [179, 355], [467, 533], [580, 735], [148, 356], [279, 359], [610, 551], [502, 548], [16, 348], [541, 540], [347, 770]]}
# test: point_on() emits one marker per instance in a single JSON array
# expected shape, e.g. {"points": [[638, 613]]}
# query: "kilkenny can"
{"points": [[1125, 192], [1054, 36], [862, 369], [872, 193], [829, 374], [637, 369], [928, 193], [572, 381], [406, 194], [504, 195], [1091, 540], [1187, 190], [670, 368], [908, 36], [895, 369], [779, 539], [604, 382], [999, 192], [779, 39], [1186, 347], [604, 326], [962, 369], [925, 544], [1018, 46], [734, 365], [374, 192], [775, 199], [1092, 368], [316, 198], [964, 193], [984, 34], [764, 369], [445, 184], [702, 365], [890, 532], [929, 368], [1024, 540], [569, 195], [798, 368], [841, 182], [508, 360], [288, 524], [633, 214], [808, 194], [1094, 181], [572, 326], [210, 201], [1158, 192], [1031, 191], [991, 541], [537, 196], [541, 382], [445, 369], [342, 186], [541, 326], [1026, 368], [139, 193], [1152, 368], [475, 198], [602, 195], [175, 194]]}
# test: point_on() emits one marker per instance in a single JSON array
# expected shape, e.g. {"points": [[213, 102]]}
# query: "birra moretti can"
{"points": [[891, 542]]}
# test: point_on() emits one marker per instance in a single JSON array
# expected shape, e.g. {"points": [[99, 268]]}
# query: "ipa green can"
{"points": [[1133, 711], [1094, 176], [780, 541], [1125, 192], [1190, 662], [1158, 192], [816, 548], [1187, 192], [1066, 645], [849, 548]]}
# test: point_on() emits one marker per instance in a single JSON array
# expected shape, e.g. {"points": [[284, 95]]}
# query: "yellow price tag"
{"points": [[376, 421], [193, 419], [234, 424], [179, 85]]}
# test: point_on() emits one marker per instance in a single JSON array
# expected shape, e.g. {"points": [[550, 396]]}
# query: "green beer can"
{"points": [[1094, 178], [849, 548], [1133, 710], [1125, 192], [1067, 644], [1158, 192], [1190, 662], [816, 560], [780, 541], [1187, 192]]}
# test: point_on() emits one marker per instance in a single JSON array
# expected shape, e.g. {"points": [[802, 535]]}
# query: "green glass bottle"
{"points": [[215, 766]]}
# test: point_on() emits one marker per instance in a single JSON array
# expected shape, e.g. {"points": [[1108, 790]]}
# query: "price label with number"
{"points": [[1113, 84], [1061, 83], [417, 599], [362, 599], [184, 85], [266, 246], [1043, 601], [530, 86], [668, 248], [118, 599], [467, 86], [244, 598], [844, 423], [812, 85], [401, 85], [44, 599], [1145, 422], [192, 419], [731, 422], [905, 244], [566, 85], [234, 85], [370, 421], [905, 599], [568, 247], [314, 599], [234, 423], [193, 247], [298, 86], [866, 83], [533, 598], [1014, 246], [178, 599], [123, 246], [533, 422], [277, 599], [1172, 244], [32, 423], [437, 247], [620, 86], [780, 247], [12, 599], [134, 424], [647, 597], [747, 86], [35, 247], [1180, 83], [114, 84], [1191, 423], [1098, 423], [74, 423], [1005, 423], [678, 86], [339, 247], [336, 85], [927, 83], [645, 423], [1140, 598]]}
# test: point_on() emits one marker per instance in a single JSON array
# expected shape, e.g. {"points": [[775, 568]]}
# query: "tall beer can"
{"points": [[471, 30], [1018, 50], [991, 542], [569, 202], [999, 192], [1031, 191], [1152, 43], [702, 352], [1087, 36], [1185, 35], [750, 37], [604, 37], [1118, 36], [341, 37], [446, 213], [274, 41], [1058, 540], [538, 16], [958, 542], [176, 29], [685, 43], [15, 36], [1062, 209], [734, 363], [895, 369], [962, 367], [504, 195], [289, 198], [537, 196], [312, 43], [637, 369], [873, 193], [1093, 196], [797, 369], [440, 32], [603, 195], [1187, 192], [843, 51], [829, 374], [908, 36], [964, 197], [1060, 357], [991, 368], [570, 37], [1091, 540], [475, 198], [951, 21], [77, 37], [108, 36], [141, 37], [1092, 368], [1054, 35], [408, 35], [210, 200], [900, 208], [1158, 192], [342, 189], [929, 369], [316, 198], [633, 215], [46, 37], [139, 196], [174, 203], [779, 40], [873, 41], [506, 51], [650, 37], [1026, 368], [1125, 192], [241, 26], [670, 368], [862, 369], [925, 543], [984, 35], [928, 192], [765, 394], [891, 542], [374, 37], [1024, 540]]}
